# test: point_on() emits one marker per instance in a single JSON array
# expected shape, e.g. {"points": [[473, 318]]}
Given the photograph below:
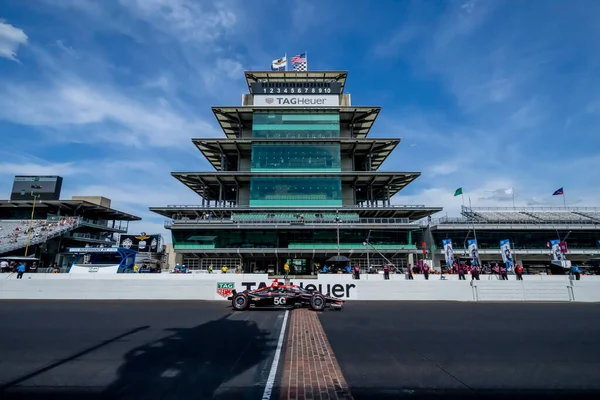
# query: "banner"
{"points": [[448, 251], [557, 255], [474, 252], [143, 242], [507, 257], [290, 100]]}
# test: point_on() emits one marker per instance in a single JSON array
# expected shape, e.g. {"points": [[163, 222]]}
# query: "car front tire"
{"points": [[317, 302]]}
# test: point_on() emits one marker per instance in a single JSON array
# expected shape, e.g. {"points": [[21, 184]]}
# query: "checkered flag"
{"points": [[299, 62]]}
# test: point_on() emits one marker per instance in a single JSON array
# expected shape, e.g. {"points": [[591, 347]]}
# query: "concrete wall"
{"points": [[369, 287]]}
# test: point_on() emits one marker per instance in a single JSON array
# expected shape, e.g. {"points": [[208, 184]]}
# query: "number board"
{"points": [[296, 88]]}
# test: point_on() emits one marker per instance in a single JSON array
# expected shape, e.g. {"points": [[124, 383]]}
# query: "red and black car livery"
{"points": [[282, 296]]}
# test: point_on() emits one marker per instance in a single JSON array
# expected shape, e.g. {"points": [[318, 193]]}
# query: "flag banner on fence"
{"points": [[507, 257], [474, 251], [558, 192], [279, 64], [299, 62], [458, 192], [448, 251], [557, 255], [563, 247]]}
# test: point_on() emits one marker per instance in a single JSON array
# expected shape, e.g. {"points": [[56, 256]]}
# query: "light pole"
{"points": [[35, 197]]}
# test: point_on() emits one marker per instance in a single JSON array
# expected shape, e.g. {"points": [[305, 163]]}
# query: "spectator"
{"points": [[576, 271], [3, 266], [20, 270], [386, 272], [475, 273], [426, 271], [519, 272]]}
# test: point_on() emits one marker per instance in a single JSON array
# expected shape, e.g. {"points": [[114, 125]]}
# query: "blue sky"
{"points": [[486, 95]]}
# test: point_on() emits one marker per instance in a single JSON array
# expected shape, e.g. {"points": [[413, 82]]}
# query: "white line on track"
{"points": [[273, 372]]}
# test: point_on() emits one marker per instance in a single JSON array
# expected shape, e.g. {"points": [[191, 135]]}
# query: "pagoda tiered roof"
{"points": [[212, 149], [358, 120], [210, 184], [295, 76]]}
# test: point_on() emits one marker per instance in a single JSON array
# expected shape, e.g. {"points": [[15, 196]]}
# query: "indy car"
{"points": [[281, 296]]}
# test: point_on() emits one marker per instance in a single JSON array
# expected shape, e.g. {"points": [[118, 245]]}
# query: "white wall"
{"points": [[369, 287]]}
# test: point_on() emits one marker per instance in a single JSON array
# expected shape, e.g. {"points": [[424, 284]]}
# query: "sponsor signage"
{"points": [[92, 249], [142, 242], [94, 269], [224, 289], [328, 100], [340, 290]]}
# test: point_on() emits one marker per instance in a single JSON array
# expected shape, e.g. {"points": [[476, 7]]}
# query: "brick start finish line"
{"points": [[310, 370]]}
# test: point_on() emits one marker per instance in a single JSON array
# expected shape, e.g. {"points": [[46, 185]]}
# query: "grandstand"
{"points": [[528, 228], [56, 226], [296, 184]]}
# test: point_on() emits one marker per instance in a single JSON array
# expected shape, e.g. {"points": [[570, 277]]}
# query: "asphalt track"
{"points": [[419, 350], [196, 350], [134, 350]]}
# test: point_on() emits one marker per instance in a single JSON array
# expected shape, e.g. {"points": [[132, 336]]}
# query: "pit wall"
{"points": [[369, 287]]}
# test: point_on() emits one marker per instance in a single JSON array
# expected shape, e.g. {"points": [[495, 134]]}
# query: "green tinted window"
{"points": [[285, 192], [290, 125], [295, 157]]}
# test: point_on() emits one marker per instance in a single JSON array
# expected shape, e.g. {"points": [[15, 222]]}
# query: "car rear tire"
{"points": [[317, 302], [240, 302]]}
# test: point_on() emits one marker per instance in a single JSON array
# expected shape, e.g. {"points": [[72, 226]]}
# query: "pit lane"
{"points": [[419, 350], [135, 350]]}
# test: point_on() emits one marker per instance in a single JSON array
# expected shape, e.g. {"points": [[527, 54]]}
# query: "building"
{"points": [[296, 180], [529, 230], [57, 225]]}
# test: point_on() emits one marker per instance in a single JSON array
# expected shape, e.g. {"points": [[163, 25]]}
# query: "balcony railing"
{"points": [[291, 221]]}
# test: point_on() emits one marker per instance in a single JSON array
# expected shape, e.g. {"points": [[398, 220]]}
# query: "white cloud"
{"points": [[186, 20], [62, 169], [101, 114], [10, 40]]}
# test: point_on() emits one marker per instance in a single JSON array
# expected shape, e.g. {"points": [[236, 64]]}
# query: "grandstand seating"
{"points": [[13, 233], [532, 216]]}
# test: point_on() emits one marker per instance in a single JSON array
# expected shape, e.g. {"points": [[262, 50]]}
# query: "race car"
{"points": [[282, 296]]}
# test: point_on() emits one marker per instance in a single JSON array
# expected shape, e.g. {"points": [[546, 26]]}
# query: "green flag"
{"points": [[458, 192]]}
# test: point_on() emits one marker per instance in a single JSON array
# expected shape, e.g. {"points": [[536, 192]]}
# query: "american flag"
{"points": [[299, 62], [558, 192]]}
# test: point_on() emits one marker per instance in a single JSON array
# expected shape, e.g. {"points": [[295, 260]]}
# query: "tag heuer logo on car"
{"points": [[269, 100], [224, 289]]}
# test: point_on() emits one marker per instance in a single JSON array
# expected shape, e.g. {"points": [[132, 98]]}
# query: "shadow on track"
{"points": [[190, 363]]}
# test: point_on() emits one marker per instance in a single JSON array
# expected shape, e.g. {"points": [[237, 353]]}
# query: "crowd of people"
{"points": [[14, 231]]}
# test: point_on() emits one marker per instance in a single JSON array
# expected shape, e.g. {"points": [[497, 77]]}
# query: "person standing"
{"points": [[410, 273], [386, 272], [20, 270], [286, 270], [503, 273], [475, 273], [426, 271], [576, 271], [519, 272], [3, 266], [461, 272]]}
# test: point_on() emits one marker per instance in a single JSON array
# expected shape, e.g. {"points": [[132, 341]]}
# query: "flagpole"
{"points": [[564, 198], [462, 195], [513, 193], [286, 62], [478, 260], [306, 56]]}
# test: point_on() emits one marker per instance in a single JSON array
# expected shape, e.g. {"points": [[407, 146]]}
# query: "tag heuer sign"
{"points": [[225, 289], [298, 100]]}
